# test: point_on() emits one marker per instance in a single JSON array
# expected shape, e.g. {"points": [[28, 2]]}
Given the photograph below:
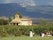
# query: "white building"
{"points": [[21, 21]]}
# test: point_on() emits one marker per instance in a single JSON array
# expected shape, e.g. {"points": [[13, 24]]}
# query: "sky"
{"points": [[29, 2]]}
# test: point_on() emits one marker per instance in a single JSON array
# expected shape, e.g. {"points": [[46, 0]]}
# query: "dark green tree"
{"points": [[3, 22], [20, 16], [43, 22], [10, 19]]}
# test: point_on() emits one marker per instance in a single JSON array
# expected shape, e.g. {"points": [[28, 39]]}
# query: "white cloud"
{"points": [[32, 3], [6, 1], [50, 2], [23, 3]]}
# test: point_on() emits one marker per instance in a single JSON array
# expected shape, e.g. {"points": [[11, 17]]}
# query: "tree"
{"points": [[3, 22], [9, 19], [43, 22], [20, 16]]}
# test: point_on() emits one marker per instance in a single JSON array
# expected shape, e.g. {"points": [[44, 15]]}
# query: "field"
{"points": [[26, 38], [8, 32]]}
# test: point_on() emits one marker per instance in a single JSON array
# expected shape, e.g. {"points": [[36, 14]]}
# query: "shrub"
{"points": [[3, 34], [26, 33], [3, 22], [6, 30], [17, 33]]}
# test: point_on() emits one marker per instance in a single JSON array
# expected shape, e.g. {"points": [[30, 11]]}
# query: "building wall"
{"points": [[26, 23], [21, 21]]}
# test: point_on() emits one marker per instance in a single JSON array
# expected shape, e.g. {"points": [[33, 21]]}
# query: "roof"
{"points": [[16, 21]]}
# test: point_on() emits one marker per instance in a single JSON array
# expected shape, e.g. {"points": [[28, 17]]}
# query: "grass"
{"points": [[26, 38]]}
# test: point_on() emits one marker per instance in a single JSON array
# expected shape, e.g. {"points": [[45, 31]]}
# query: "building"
{"points": [[20, 21]]}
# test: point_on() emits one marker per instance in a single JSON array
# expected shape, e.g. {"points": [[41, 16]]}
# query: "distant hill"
{"points": [[39, 11]]}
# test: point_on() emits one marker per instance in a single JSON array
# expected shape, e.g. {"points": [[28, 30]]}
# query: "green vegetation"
{"points": [[18, 14], [6, 30], [10, 19], [3, 22], [26, 38]]}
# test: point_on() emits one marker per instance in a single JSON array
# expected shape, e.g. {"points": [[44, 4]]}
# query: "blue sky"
{"points": [[29, 2]]}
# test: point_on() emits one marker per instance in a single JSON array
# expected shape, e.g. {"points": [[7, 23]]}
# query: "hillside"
{"points": [[39, 11]]}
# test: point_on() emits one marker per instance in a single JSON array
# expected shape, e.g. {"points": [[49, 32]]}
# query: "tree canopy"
{"points": [[18, 14]]}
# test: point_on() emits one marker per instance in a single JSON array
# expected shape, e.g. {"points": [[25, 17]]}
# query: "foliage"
{"points": [[17, 33], [18, 14], [6, 30], [26, 38], [10, 19], [43, 22], [3, 22]]}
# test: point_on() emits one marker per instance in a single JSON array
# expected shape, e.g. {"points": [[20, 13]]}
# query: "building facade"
{"points": [[20, 21]]}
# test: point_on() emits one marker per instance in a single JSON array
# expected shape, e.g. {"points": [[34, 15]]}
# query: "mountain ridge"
{"points": [[40, 11]]}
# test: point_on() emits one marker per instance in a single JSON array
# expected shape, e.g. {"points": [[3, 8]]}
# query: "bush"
{"points": [[26, 33], [3, 22], [6, 30], [3, 34], [17, 33], [39, 30]]}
